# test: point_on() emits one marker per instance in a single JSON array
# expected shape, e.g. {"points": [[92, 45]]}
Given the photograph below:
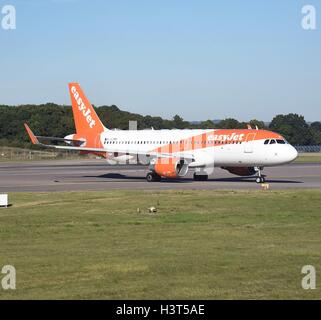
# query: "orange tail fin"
{"points": [[85, 117]]}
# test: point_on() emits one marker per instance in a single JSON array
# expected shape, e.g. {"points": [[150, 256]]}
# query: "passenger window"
{"points": [[266, 141], [272, 141]]}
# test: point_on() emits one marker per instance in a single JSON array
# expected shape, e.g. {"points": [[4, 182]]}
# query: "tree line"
{"points": [[55, 120]]}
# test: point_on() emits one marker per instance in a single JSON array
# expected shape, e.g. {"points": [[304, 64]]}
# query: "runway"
{"points": [[73, 175]]}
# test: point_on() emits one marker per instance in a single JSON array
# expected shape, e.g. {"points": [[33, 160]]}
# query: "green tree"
{"points": [[316, 132], [208, 124], [294, 128], [179, 123], [260, 124], [229, 123], [316, 126]]}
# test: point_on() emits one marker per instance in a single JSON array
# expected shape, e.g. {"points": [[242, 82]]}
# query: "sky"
{"points": [[204, 59]]}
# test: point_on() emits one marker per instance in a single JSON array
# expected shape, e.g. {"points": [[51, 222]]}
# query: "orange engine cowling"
{"points": [[169, 167], [241, 171]]}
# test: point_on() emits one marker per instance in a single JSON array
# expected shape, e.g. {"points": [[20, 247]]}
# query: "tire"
{"points": [[153, 177], [150, 177], [258, 180]]}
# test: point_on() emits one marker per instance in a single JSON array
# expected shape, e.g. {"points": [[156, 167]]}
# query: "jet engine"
{"points": [[169, 167]]}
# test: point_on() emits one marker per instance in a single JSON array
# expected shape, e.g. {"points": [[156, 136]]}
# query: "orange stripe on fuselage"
{"points": [[217, 138]]}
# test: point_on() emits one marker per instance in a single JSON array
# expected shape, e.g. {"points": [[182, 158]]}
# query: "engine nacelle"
{"points": [[169, 167], [241, 171]]}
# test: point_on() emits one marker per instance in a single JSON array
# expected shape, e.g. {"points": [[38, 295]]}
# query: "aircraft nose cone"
{"points": [[293, 154]]}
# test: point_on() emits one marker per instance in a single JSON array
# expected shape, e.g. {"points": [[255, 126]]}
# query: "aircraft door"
{"points": [[248, 146]]}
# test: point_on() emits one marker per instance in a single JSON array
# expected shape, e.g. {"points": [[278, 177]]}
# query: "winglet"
{"points": [[32, 137]]}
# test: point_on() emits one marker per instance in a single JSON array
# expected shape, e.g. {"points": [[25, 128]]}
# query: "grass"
{"points": [[309, 158], [199, 245], [10, 154]]}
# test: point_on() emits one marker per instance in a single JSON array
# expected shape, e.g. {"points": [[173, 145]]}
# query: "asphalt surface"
{"points": [[74, 175]]}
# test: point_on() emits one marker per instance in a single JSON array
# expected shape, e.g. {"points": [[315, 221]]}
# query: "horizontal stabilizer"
{"points": [[35, 139], [74, 141]]}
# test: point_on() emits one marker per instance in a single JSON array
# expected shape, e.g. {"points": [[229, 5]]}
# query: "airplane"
{"points": [[172, 153]]}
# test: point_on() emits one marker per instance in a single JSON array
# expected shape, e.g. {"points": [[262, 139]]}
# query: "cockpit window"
{"points": [[272, 141], [266, 141], [280, 141]]}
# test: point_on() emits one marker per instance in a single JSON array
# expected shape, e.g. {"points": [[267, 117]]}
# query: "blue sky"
{"points": [[201, 59]]}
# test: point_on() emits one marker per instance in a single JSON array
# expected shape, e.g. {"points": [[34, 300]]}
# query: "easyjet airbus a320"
{"points": [[172, 153]]}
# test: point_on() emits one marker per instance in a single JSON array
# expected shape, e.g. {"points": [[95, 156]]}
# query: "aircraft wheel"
{"points": [[260, 180], [152, 177]]}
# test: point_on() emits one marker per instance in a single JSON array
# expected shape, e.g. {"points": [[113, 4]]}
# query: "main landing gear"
{"points": [[153, 177], [260, 177]]}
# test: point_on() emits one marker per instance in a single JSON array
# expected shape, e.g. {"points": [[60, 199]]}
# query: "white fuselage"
{"points": [[244, 151]]}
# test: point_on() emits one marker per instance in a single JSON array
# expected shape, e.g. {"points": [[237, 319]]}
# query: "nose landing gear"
{"points": [[260, 180], [260, 177]]}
